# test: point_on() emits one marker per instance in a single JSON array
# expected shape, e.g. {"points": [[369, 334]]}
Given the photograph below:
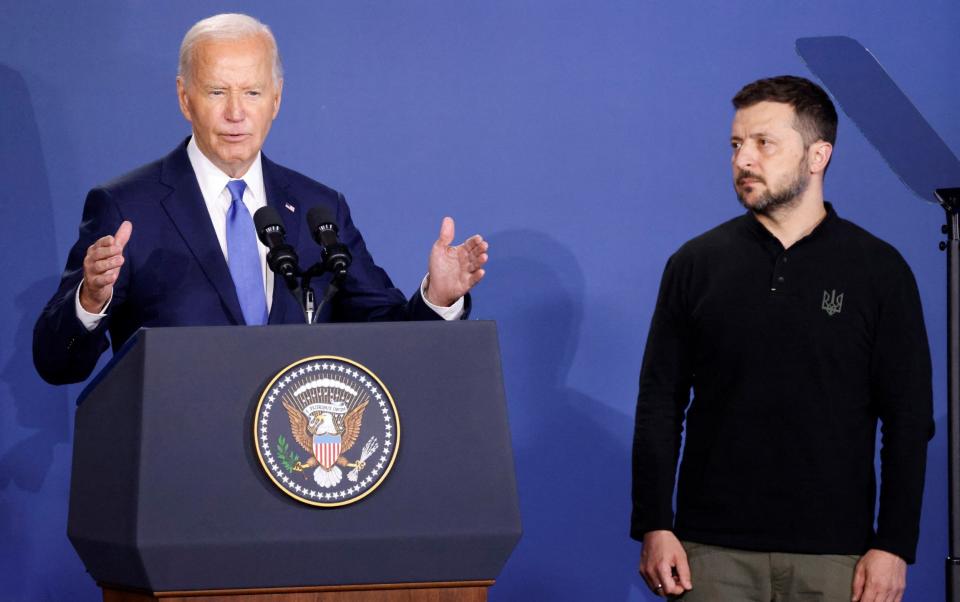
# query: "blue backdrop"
{"points": [[586, 140]]}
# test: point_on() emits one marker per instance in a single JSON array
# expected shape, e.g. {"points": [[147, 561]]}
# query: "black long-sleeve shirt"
{"points": [[792, 356]]}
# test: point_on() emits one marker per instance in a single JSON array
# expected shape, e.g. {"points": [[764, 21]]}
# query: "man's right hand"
{"points": [[663, 564], [101, 268]]}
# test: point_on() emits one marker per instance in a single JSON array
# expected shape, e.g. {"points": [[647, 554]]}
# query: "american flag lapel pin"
{"points": [[290, 207]]}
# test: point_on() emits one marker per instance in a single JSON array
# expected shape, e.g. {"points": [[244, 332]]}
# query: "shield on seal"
{"points": [[326, 448]]}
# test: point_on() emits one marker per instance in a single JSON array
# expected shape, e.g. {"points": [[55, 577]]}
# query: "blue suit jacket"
{"points": [[175, 273]]}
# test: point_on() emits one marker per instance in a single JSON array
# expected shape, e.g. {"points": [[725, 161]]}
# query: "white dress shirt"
{"points": [[213, 187]]}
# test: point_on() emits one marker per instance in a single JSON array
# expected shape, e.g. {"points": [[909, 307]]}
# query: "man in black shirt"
{"points": [[797, 331]]}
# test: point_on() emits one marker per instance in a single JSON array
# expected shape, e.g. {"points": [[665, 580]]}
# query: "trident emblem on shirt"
{"points": [[832, 302]]}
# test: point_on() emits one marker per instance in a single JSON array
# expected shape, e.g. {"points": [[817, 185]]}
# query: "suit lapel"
{"points": [[187, 210], [278, 196]]}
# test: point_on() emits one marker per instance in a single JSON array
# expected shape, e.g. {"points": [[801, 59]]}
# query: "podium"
{"points": [[170, 498]]}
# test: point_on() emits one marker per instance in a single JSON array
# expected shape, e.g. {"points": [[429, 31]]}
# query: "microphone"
{"points": [[282, 259], [335, 255]]}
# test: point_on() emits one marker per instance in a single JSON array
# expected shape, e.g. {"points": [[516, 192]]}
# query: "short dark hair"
{"points": [[816, 116]]}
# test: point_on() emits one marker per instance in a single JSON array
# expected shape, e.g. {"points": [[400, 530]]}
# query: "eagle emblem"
{"points": [[327, 431], [325, 406]]}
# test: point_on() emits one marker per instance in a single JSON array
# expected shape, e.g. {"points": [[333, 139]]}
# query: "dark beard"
{"points": [[770, 201]]}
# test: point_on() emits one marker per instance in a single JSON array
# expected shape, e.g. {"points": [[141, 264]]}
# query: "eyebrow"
{"points": [[756, 135], [226, 86]]}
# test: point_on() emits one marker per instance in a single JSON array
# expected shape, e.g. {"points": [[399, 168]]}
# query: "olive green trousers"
{"points": [[728, 575]]}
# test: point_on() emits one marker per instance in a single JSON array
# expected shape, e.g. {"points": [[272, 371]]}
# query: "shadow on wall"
{"points": [[34, 416], [41, 416], [572, 478], [42, 411]]}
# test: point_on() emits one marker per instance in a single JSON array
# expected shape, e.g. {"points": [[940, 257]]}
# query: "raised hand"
{"points": [[454, 270], [101, 268]]}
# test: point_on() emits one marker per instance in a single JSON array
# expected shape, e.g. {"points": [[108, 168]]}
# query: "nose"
{"points": [[234, 109], [745, 156]]}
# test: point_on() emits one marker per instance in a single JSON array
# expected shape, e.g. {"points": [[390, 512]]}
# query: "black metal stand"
{"points": [[950, 201], [299, 286]]}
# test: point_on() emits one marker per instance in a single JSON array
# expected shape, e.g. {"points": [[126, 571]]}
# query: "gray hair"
{"points": [[227, 26]]}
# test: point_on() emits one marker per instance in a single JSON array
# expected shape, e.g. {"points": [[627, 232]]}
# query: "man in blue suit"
{"points": [[173, 243]]}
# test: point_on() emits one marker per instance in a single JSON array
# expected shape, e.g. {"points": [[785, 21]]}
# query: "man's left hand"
{"points": [[454, 270], [879, 577]]}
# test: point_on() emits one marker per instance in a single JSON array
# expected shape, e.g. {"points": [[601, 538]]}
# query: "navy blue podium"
{"points": [[170, 499]]}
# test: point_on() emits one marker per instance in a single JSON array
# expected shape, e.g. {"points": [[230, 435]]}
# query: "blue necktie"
{"points": [[243, 257]]}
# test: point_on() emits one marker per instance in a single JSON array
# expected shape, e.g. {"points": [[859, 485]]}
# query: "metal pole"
{"points": [[950, 200]]}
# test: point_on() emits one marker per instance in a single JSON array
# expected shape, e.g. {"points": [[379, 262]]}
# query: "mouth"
{"points": [[228, 137]]}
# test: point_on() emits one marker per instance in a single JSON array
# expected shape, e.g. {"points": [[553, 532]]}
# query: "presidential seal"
{"points": [[326, 431]]}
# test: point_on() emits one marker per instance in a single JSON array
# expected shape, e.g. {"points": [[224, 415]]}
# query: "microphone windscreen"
{"points": [[266, 216], [318, 216]]}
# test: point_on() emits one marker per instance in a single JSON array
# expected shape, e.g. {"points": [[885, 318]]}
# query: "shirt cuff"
{"points": [[454, 312], [91, 321]]}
